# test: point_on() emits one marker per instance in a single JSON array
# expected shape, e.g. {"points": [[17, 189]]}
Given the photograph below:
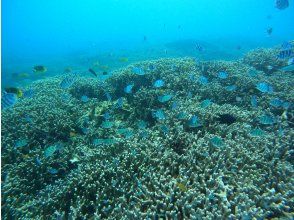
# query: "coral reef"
{"points": [[166, 169]]}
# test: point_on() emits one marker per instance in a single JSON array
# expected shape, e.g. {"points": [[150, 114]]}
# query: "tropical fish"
{"points": [[253, 101], [151, 67], [174, 105], [67, 70], [276, 102], [18, 92], [108, 96], [141, 124], [194, 122], [182, 187], [29, 93], [127, 133], [286, 51], [264, 87], [158, 83], [269, 31], [128, 88], [106, 116], [288, 68], [159, 114], [8, 100], [282, 4], [253, 72], [138, 71], [222, 75], [164, 129], [181, 115], [92, 71], [20, 75], [120, 102], [231, 88], [205, 103], [216, 141], [39, 69], [21, 143], [68, 81], [203, 80], [286, 105], [107, 124], [52, 171], [257, 132], [198, 47], [123, 59], [290, 61], [49, 151], [165, 98], [84, 98], [267, 119]]}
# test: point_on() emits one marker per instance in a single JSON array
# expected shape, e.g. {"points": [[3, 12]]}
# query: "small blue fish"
{"points": [[151, 67], [203, 80], [194, 122], [192, 77], [85, 130], [68, 81], [141, 124], [216, 141], [106, 116], [288, 68], [253, 101], [65, 97], [52, 171], [49, 151], [286, 105], [276, 103], [158, 83], [181, 115], [231, 88], [290, 61], [21, 143], [138, 71], [143, 134], [127, 133], [164, 98], [159, 114], [264, 87], [8, 100], [38, 161], [107, 124], [253, 72], [174, 105], [84, 98], [128, 88], [267, 119], [257, 132], [108, 96], [198, 47], [189, 95], [222, 75], [120, 102], [164, 129], [29, 93], [205, 103]]}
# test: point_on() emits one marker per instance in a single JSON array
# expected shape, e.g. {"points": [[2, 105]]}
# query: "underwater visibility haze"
{"points": [[168, 109]]}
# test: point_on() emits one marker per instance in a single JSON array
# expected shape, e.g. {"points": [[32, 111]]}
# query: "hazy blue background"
{"points": [[58, 33]]}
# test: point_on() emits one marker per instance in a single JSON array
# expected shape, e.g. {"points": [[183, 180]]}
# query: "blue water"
{"points": [[77, 33]]}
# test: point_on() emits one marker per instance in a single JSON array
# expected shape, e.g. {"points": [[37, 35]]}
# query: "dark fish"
{"points": [[92, 71], [199, 47], [269, 30], [282, 4], [104, 73]]}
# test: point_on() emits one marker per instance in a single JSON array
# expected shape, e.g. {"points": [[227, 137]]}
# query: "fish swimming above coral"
{"points": [[92, 71], [128, 88], [286, 51], [39, 69], [68, 81], [8, 100], [138, 71], [264, 87], [282, 4], [17, 91], [158, 83]]}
